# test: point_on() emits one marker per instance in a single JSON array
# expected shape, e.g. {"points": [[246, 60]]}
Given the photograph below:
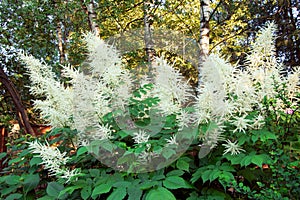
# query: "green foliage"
{"points": [[269, 167]]}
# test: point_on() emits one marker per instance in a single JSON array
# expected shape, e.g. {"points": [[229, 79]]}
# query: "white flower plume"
{"points": [[53, 160], [58, 99]]}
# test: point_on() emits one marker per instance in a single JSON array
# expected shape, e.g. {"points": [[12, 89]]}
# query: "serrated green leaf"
{"points": [[235, 159], [214, 174], [175, 182], [257, 160], [160, 193], [117, 194], [183, 165], [270, 135], [246, 161], [205, 175], [196, 175], [226, 167]]}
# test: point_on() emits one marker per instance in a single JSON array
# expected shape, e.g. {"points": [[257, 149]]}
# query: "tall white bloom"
{"points": [[170, 87], [53, 160], [58, 104]]}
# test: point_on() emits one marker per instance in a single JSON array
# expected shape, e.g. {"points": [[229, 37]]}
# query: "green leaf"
{"points": [[175, 173], [9, 190], [2, 155], [235, 159], [175, 182], [183, 165], [193, 196], [267, 135], [14, 196], [12, 179], [31, 181], [117, 194], [24, 153], [134, 193], [101, 189], [86, 192], [54, 188], [35, 161], [196, 175], [18, 159], [100, 144], [214, 174], [160, 193], [81, 151], [205, 175], [69, 190], [246, 161], [47, 198], [122, 184], [168, 153], [254, 138], [94, 172], [148, 184], [257, 160]]}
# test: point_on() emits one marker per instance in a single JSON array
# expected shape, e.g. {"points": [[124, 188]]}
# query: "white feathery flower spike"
{"points": [[232, 147], [53, 160], [141, 137]]}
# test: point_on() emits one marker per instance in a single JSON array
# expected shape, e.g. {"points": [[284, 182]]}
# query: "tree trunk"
{"points": [[60, 36], [149, 43], [20, 109], [90, 11], [204, 36], [61, 48]]}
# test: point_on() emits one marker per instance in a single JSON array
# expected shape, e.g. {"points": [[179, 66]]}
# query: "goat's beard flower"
{"points": [[53, 160], [141, 137], [232, 147], [230, 93]]}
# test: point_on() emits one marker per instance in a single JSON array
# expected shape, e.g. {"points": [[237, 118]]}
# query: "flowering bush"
{"points": [[244, 125]]}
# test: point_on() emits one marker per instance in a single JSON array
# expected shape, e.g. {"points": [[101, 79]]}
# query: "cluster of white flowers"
{"points": [[53, 160], [229, 93], [232, 147], [58, 99], [172, 91], [102, 86], [141, 137]]}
